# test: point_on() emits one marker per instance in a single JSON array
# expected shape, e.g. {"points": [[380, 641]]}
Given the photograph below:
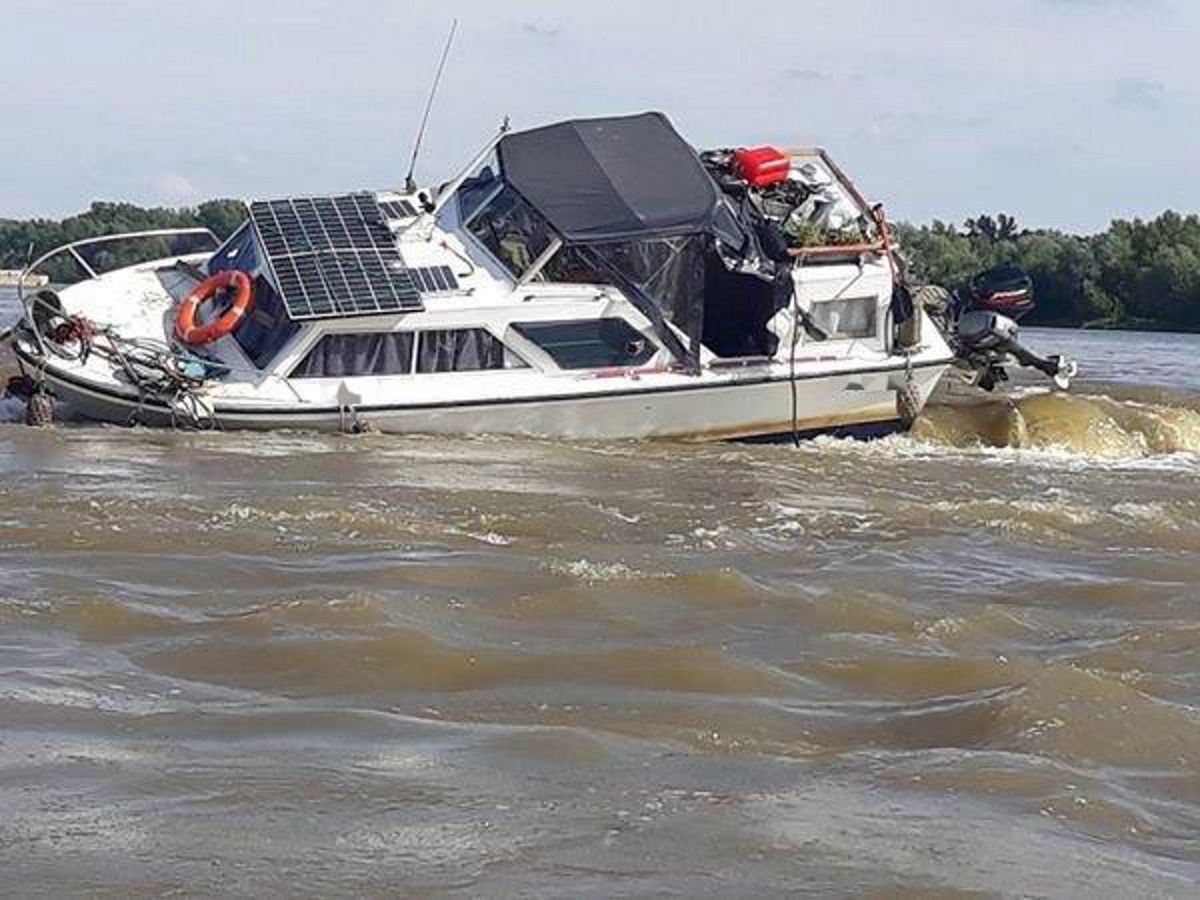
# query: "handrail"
{"points": [[73, 248], [878, 248]]}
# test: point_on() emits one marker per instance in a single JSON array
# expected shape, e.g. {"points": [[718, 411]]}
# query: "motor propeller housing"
{"points": [[980, 321], [988, 340]]}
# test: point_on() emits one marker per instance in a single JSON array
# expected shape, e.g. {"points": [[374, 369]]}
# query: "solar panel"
{"points": [[434, 279], [398, 209], [334, 257]]}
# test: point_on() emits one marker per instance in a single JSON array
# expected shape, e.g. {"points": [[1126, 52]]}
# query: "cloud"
{"points": [[793, 73], [175, 188], [1137, 93], [958, 78], [544, 32], [1136, 5]]}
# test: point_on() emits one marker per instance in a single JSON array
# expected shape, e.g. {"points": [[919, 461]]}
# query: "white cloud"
{"points": [[958, 96], [1138, 93], [176, 188]]}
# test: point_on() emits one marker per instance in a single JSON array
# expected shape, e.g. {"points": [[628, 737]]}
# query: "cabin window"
{"points": [[571, 265], [267, 329], [850, 318], [348, 355], [476, 189], [512, 230], [239, 252], [464, 350], [591, 344]]}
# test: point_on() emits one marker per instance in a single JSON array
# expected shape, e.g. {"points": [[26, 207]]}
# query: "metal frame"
{"points": [[73, 249], [881, 247], [452, 188], [535, 268]]}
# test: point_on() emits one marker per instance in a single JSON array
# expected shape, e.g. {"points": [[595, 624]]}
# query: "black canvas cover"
{"points": [[612, 179]]}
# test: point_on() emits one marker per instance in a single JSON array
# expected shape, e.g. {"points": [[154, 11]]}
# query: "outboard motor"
{"points": [[1006, 290], [984, 330]]}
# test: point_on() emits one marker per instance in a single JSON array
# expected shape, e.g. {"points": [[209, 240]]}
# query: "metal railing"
{"points": [[72, 249]]}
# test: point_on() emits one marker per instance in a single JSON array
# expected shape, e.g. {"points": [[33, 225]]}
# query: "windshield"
{"points": [[513, 230], [478, 187]]}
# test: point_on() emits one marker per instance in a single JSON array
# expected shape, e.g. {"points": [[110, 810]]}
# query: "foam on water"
{"points": [[1094, 426]]}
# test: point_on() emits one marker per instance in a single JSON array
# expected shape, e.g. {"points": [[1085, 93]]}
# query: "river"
{"points": [[963, 660]]}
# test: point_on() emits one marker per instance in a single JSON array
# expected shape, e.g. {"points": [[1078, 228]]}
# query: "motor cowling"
{"points": [[1007, 290], [988, 340], [984, 330]]}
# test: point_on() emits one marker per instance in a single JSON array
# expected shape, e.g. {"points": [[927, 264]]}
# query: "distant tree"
{"points": [[1141, 273], [1134, 273], [221, 216]]}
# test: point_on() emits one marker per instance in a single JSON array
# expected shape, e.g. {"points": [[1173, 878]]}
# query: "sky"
{"points": [[1064, 113]]}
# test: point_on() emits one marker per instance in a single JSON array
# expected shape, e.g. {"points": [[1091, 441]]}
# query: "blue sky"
{"points": [[1065, 113]]}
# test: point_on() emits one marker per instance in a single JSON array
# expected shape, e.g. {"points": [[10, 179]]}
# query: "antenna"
{"points": [[409, 184]]}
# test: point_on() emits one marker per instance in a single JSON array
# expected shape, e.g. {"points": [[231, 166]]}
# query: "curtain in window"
{"points": [[346, 355], [463, 350]]}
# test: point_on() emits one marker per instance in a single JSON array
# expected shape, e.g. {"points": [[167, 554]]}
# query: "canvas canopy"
{"points": [[612, 179], [632, 196]]}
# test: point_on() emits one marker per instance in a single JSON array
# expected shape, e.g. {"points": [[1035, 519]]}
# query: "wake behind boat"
{"points": [[588, 279]]}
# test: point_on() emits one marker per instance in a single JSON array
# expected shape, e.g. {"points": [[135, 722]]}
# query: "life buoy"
{"points": [[186, 328]]}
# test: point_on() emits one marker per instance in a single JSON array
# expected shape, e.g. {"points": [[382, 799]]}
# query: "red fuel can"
{"points": [[762, 166]]}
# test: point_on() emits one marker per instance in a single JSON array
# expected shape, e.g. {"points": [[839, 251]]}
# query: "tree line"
{"points": [[1135, 274], [1141, 274], [22, 241]]}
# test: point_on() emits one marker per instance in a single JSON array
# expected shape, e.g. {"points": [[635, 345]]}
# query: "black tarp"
{"points": [[634, 200], [612, 179]]}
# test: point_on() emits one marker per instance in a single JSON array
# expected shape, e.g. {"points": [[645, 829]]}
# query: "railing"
{"points": [[882, 246], [72, 249]]}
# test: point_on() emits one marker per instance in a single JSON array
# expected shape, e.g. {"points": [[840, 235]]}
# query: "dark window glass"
{"points": [[512, 230], [472, 192], [852, 318], [464, 350], [346, 355], [570, 265], [264, 332], [240, 252], [594, 344]]}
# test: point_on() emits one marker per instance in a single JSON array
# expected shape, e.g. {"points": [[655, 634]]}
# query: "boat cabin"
{"points": [[602, 244]]}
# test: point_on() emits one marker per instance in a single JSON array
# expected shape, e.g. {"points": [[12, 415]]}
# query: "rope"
{"points": [[154, 369], [796, 324]]}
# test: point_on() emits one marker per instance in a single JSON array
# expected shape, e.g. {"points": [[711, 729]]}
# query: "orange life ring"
{"points": [[186, 328]]}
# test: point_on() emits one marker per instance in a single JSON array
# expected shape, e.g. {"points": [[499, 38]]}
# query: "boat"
{"points": [[587, 279]]}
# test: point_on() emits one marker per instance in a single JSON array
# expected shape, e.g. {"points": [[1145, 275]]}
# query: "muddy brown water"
{"points": [[962, 661]]}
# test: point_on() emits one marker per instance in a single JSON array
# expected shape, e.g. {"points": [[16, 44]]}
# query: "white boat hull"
{"points": [[708, 410]]}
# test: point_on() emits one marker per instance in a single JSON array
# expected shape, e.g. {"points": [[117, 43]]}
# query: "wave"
{"points": [[1090, 425]]}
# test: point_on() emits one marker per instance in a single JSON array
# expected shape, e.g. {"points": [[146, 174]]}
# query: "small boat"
{"points": [[589, 279]]}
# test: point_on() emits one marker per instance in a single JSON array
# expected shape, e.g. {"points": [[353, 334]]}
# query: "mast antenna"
{"points": [[410, 185]]}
